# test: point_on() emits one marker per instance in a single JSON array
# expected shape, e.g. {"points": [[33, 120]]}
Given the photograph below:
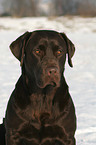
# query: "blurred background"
{"points": [[23, 8], [76, 18]]}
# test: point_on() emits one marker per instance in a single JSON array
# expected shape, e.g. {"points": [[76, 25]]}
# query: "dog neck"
{"points": [[31, 86]]}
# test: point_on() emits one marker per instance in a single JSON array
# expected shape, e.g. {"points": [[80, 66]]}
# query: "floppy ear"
{"points": [[70, 49], [17, 46]]}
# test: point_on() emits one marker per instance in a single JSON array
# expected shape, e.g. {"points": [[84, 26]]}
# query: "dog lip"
{"points": [[53, 84]]}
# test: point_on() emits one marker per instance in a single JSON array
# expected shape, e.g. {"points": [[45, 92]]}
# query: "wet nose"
{"points": [[52, 71]]}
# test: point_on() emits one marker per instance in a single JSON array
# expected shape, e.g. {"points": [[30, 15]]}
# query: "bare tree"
{"points": [[56, 7], [87, 8], [21, 7], [32, 7]]}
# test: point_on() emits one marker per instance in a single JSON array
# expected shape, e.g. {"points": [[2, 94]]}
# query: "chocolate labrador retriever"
{"points": [[40, 110]]}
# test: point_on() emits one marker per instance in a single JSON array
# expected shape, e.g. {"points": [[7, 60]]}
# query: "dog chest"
{"points": [[40, 105]]}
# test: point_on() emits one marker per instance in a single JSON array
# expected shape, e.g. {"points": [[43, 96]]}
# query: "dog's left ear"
{"points": [[70, 48], [18, 46]]}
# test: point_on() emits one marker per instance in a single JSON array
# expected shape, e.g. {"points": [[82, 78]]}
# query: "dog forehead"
{"points": [[45, 37]]}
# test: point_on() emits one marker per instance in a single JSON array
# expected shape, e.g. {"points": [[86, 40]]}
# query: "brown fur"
{"points": [[40, 110]]}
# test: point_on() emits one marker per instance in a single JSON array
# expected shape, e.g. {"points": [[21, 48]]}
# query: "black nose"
{"points": [[52, 71]]}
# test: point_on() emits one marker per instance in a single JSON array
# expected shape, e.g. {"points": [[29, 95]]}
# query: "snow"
{"points": [[81, 78]]}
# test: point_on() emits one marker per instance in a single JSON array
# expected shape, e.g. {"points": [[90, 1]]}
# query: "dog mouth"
{"points": [[50, 86], [53, 84]]}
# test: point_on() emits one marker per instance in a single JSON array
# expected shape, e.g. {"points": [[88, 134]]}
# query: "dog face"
{"points": [[49, 52], [43, 53]]}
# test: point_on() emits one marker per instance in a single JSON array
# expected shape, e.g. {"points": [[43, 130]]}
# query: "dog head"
{"points": [[43, 54]]}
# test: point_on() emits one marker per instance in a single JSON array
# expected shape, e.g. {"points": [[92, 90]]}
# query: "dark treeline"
{"points": [[23, 8]]}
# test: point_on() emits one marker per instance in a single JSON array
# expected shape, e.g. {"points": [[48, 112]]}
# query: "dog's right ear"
{"points": [[17, 46]]}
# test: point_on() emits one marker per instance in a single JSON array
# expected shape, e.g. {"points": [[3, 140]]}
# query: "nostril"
{"points": [[51, 71], [55, 72]]}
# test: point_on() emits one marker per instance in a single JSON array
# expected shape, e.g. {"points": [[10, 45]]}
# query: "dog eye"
{"points": [[58, 52], [37, 51]]}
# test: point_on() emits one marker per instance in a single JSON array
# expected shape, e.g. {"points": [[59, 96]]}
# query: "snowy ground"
{"points": [[81, 78]]}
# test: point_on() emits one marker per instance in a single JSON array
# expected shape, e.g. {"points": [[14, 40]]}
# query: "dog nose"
{"points": [[52, 71]]}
